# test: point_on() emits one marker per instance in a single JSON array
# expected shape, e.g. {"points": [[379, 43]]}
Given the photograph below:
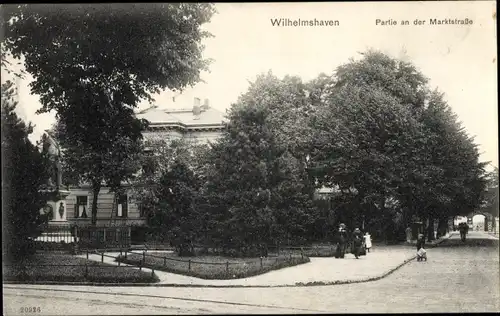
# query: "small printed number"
{"points": [[31, 309]]}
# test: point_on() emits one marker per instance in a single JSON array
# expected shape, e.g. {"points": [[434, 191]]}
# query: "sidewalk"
{"points": [[378, 263], [483, 234], [493, 234]]}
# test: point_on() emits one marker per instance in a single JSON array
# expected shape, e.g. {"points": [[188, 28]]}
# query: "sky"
{"points": [[460, 60]]}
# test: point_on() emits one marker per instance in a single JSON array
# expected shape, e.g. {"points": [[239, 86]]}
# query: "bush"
{"points": [[320, 252], [51, 246], [67, 268]]}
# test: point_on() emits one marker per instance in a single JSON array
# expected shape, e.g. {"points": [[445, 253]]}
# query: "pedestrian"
{"points": [[463, 231], [408, 234], [341, 244], [357, 242], [368, 241], [421, 253]]}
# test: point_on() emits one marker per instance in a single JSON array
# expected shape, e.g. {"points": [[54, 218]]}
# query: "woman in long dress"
{"points": [[357, 242], [341, 242]]}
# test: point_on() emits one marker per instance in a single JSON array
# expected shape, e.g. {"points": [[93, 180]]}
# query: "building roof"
{"points": [[162, 116]]}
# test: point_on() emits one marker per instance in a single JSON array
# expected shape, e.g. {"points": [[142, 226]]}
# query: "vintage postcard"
{"points": [[213, 158]]}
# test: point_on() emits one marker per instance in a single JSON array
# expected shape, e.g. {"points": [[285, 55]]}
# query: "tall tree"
{"points": [[452, 176], [364, 136], [24, 172], [383, 136], [177, 215], [243, 178], [93, 63], [490, 198], [257, 182], [290, 107], [291, 104], [160, 156]]}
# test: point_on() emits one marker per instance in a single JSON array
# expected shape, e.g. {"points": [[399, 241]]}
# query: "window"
{"points": [[122, 207], [48, 211], [143, 210], [81, 206]]}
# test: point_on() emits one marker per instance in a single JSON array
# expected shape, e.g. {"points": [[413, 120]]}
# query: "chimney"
{"points": [[196, 107], [206, 105]]}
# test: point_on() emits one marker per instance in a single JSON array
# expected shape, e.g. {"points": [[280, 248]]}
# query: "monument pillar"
{"points": [[56, 209]]}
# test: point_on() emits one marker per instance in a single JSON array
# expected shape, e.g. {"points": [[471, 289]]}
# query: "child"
{"points": [[421, 253], [368, 241]]}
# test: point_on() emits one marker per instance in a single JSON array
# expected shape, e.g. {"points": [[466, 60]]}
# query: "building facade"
{"points": [[199, 122]]}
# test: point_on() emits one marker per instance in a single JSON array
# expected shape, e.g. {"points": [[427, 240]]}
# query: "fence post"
{"points": [[261, 262], [227, 266], [126, 254], [143, 256], [152, 272], [87, 253], [140, 265], [189, 265], [102, 257]]}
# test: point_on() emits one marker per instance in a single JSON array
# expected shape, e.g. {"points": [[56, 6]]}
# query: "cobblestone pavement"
{"points": [[457, 278]]}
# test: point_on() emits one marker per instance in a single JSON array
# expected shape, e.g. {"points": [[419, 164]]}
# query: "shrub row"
{"points": [[67, 268], [208, 267]]}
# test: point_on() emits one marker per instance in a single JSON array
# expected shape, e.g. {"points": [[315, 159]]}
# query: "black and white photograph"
{"points": [[249, 158]]}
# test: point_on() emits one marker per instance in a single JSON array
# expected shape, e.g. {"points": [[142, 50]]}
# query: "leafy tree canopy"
{"points": [[24, 172], [128, 50]]}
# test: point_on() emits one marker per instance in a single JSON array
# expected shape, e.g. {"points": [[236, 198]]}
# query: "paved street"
{"points": [[457, 278]]}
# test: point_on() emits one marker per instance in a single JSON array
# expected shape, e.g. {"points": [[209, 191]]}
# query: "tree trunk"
{"points": [[424, 226], [96, 188], [430, 229], [443, 226]]}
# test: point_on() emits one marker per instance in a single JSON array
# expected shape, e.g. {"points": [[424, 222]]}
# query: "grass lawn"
{"points": [[67, 268], [312, 252], [212, 267]]}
